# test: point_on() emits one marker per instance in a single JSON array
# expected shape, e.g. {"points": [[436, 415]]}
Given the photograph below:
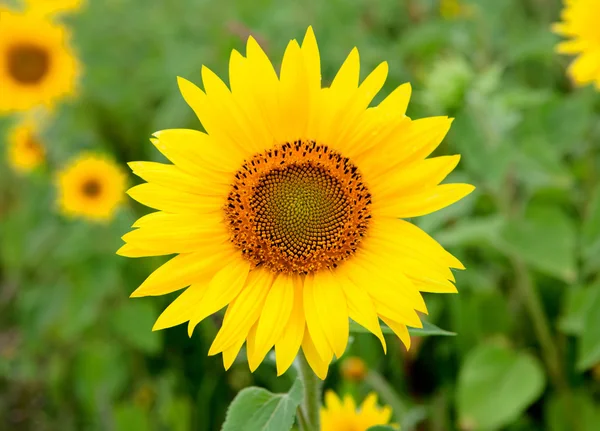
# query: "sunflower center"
{"points": [[91, 188], [298, 208], [27, 64]]}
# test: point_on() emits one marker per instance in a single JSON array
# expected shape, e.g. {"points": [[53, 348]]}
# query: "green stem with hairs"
{"points": [[310, 410]]}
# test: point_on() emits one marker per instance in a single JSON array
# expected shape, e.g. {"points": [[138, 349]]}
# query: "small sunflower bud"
{"points": [[354, 369]]}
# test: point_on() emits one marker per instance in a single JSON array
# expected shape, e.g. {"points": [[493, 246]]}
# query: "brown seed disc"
{"points": [[298, 208], [27, 64]]}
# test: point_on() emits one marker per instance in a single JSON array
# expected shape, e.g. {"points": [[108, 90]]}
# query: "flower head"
{"points": [[37, 66], [288, 210], [52, 7], [579, 22], [25, 149], [91, 187], [338, 415]]}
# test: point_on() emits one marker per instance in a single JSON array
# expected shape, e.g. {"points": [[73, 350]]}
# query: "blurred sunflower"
{"points": [[51, 7], [287, 210], [91, 187], [580, 24], [37, 66], [25, 149], [452, 9], [344, 416]]}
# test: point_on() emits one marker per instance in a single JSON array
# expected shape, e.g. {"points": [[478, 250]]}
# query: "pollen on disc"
{"points": [[298, 208]]}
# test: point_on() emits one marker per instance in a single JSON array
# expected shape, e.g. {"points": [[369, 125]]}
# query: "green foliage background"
{"points": [[77, 354]]}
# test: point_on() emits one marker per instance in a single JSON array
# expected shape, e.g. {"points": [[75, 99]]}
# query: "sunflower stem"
{"points": [[541, 325], [311, 407]]}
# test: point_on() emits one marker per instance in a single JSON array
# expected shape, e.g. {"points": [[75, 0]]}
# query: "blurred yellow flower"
{"points": [[287, 210], [25, 150], [50, 7], [91, 187], [37, 66], [450, 9], [580, 23], [354, 369], [344, 416]]}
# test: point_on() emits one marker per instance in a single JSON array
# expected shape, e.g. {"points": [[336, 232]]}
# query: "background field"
{"points": [[77, 354]]}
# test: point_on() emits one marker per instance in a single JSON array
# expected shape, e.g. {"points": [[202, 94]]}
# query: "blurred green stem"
{"points": [[311, 407], [540, 324], [388, 394]]}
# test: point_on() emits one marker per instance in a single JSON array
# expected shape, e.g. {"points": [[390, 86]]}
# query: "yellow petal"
{"points": [[407, 238], [179, 233], [361, 308], [245, 310], [586, 67], [231, 353], [414, 177], [346, 80], [399, 329], [423, 202], [286, 347], [385, 293], [275, 315], [223, 288], [332, 310], [390, 271], [171, 176], [313, 321], [397, 101], [254, 358], [199, 154], [183, 270], [174, 201], [180, 310], [293, 95], [128, 250], [240, 127], [319, 366], [348, 117], [212, 115]]}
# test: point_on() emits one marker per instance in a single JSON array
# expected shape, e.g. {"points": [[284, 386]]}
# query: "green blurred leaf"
{"points": [[132, 321], [428, 329], [256, 409], [546, 239], [495, 385], [568, 412], [575, 307], [590, 232], [589, 341], [129, 417], [100, 373], [382, 428]]}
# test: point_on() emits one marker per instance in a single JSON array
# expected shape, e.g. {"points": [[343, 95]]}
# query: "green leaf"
{"points": [[590, 233], [496, 385], [133, 321], [427, 330], [256, 409], [129, 417], [589, 342], [382, 428], [100, 373], [546, 239], [562, 410], [576, 305]]}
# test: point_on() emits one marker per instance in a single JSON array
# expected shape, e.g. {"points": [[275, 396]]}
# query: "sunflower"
{"points": [[91, 187], [344, 416], [37, 66], [288, 210], [580, 24], [51, 7], [25, 149]]}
